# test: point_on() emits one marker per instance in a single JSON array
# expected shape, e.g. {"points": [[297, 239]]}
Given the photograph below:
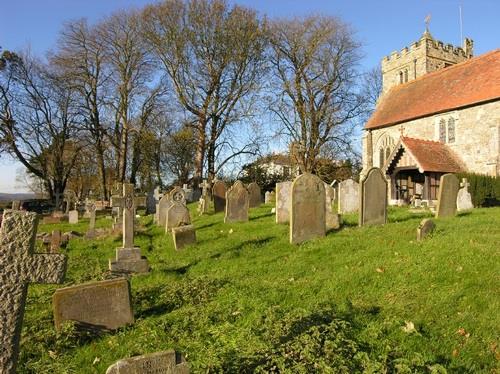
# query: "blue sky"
{"points": [[381, 26]]}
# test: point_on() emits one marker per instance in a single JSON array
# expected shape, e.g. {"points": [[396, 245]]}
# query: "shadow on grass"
{"points": [[268, 214], [257, 243], [207, 225]]}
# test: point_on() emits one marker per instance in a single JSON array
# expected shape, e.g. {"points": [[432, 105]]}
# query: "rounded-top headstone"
{"points": [[255, 198], [219, 194], [307, 216], [373, 205], [237, 203]]}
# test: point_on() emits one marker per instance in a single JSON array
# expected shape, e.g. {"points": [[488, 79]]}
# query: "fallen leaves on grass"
{"points": [[380, 270], [409, 327]]}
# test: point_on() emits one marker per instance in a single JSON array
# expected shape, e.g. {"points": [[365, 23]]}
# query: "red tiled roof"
{"points": [[468, 83], [431, 156]]}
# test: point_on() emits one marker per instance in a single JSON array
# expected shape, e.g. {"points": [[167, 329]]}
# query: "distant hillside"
{"points": [[16, 196]]}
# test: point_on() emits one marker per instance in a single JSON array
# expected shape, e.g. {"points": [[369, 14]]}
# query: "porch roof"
{"points": [[428, 155]]}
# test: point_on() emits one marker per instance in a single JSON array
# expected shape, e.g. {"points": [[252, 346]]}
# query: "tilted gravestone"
{"points": [[219, 195], [90, 234], [307, 215], [373, 204], [177, 215], [73, 217], [447, 196], [283, 201], [19, 266], [425, 228], [183, 235], [128, 257], [104, 305], [348, 192], [254, 196], [167, 362], [464, 198], [236, 203]]}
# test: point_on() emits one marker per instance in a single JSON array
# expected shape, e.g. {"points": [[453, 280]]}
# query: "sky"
{"points": [[381, 26]]}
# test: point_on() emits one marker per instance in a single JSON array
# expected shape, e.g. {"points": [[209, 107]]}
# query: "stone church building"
{"points": [[439, 112]]}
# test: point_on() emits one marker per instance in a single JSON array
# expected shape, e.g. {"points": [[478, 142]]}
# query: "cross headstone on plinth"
{"points": [[91, 208], [204, 201], [464, 198], [128, 257], [19, 266]]}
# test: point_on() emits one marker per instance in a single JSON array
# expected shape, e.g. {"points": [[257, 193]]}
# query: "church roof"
{"points": [[429, 156], [465, 84]]}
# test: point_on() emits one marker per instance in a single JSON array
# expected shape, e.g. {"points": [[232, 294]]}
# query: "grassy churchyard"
{"points": [[244, 300]]}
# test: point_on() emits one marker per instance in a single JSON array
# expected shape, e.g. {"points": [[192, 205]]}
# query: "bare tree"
{"points": [[372, 89], [80, 57], [314, 76], [213, 55], [39, 120]]}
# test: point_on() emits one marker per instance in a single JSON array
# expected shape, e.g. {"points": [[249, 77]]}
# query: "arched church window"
{"points": [[400, 77], [451, 130], [406, 75], [442, 131], [381, 157]]}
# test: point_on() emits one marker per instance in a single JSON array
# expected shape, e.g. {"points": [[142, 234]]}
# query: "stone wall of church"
{"points": [[477, 136]]}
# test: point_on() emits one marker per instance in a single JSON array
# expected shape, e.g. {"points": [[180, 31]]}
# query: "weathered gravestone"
{"points": [[55, 241], [91, 229], [254, 196], [425, 228], [283, 201], [177, 215], [447, 196], [150, 202], [464, 198], [183, 235], [219, 195], [73, 217], [332, 219], [270, 197], [373, 205], [348, 192], [236, 203], [96, 306], [19, 266], [167, 362], [128, 257], [16, 205], [176, 195], [307, 214]]}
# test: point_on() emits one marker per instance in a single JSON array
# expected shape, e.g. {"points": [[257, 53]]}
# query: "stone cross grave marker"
{"points": [[204, 201], [348, 192], [157, 196], [92, 212], [447, 196], [16, 205], [254, 197], [307, 214], [95, 306], [236, 203], [168, 362], [219, 194], [464, 198], [425, 228], [373, 196], [19, 266], [283, 201], [128, 257], [177, 215]]}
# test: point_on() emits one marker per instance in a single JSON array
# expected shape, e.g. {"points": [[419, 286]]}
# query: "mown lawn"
{"points": [[244, 300]]}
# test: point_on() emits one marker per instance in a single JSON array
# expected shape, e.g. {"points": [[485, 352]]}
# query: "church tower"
{"points": [[423, 56]]}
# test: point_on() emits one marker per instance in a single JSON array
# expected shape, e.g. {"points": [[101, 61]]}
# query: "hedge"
{"points": [[484, 189]]}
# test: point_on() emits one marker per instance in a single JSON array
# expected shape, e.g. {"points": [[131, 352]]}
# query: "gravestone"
{"points": [[73, 217], [204, 200], [425, 228], [283, 201], [95, 306], [183, 235], [91, 230], [373, 205], [447, 196], [464, 198], [150, 202], [16, 205], [254, 196], [177, 215], [236, 203], [19, 266], [332, 219], [176, 195], [269, 197], [348, 192], [188, 193], [167, 362], [307, 214], [219, 194], [157, 196], [128, 257], [55, 241]]}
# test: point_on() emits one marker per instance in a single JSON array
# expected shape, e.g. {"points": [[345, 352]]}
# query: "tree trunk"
{"points": [[102, 170], [122, 168], [200, 155]]}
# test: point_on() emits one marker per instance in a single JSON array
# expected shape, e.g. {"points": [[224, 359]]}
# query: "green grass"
{"points": [[248, 301]]}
